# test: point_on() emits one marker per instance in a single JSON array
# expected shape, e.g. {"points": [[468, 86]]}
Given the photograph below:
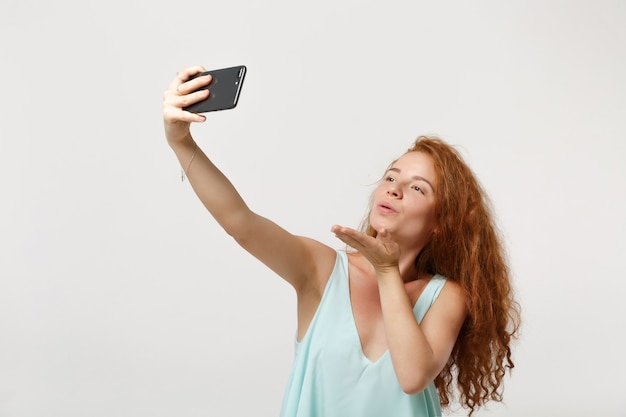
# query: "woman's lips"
{"points": [[386, 208]]}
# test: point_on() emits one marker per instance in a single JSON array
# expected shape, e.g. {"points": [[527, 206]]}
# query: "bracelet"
{"points": [[183, 173]]}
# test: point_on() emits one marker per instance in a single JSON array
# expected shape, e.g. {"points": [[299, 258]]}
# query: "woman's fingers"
{"points": [[173, 104], [350, 236], [380, 251], [173, 115], [186, 88], [359, 241], [183, 91], [184, 100], [184, 75]]}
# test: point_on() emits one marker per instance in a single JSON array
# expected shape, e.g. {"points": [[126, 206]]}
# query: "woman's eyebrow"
{"points": [[415, 177]]}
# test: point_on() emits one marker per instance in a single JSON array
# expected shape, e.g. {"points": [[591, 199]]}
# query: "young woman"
{"points": [[421, 308]]}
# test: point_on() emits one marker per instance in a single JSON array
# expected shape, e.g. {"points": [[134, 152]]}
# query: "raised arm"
{"points": [[303, 262]]}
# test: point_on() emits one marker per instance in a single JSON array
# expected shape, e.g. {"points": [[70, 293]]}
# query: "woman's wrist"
{"points": [[388, 273], [185, 141]]}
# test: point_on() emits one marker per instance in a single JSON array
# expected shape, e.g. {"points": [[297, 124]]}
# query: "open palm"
{"points": [[382, 252]]}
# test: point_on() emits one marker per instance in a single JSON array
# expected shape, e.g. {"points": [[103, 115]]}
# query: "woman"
{"points": [[421, 308]]}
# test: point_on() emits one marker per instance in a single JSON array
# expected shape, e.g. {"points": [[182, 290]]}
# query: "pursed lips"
{"points": [[386, 208]]}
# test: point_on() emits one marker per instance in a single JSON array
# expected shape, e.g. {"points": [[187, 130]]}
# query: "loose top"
{"points": [[332, 377]]}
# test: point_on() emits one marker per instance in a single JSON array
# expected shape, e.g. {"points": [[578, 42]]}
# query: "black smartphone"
{"points": [[224, 90]]}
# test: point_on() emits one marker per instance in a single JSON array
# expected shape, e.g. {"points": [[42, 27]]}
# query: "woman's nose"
{"points": [[393, 191]]}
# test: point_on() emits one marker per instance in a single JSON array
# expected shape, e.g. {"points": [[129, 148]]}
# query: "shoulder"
{"points": [[451, 287], [452, 300]]}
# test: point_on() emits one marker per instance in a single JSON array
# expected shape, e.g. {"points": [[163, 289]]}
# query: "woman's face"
{"points": [[404, 201]]}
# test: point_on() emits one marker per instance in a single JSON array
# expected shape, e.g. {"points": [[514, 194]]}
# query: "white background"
{"points": [[119, 294]]}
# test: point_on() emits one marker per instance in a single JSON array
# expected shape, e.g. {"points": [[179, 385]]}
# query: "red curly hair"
{"points": [[468, 250]]}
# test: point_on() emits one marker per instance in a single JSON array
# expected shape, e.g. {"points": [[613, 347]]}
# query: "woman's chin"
{"points": [[380, 225]]}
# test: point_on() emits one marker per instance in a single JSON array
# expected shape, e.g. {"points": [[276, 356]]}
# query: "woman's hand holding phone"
{"points": [[181, 92], [188, 95]]}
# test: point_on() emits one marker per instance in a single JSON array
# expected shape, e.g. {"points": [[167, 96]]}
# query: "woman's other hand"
{"points": [[382, 252]]}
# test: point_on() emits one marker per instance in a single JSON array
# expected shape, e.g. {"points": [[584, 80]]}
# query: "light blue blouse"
{"points": [[331, 377]]}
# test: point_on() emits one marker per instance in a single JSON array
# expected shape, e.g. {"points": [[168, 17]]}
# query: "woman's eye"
{"points": [[416, 188], [390, 179]]}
